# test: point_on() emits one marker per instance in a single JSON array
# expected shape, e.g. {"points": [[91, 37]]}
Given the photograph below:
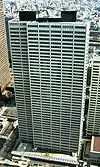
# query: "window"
{"points": [[55, 39], [32, 26], [32, 38], [68, 36], [55, 31], [80, 27], [44, 26], [55, 26], [44, 39], [32, 30], [44, 31], [32, 34], [65, 26], [44, 35], [55, 35], [67, 39], [68, 32]]}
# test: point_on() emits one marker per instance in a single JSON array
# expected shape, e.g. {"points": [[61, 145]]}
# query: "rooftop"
{"points": [[10, 112], [96, 59], [95, 144], [66, 16]]}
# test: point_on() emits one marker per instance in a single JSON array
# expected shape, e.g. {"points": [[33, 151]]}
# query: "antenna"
{"points": [[62, 4], [37, 9], [19, 5]]}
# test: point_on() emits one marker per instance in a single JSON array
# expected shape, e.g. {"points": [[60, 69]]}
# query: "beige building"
{"points": [[93, 119], [4, 66]]}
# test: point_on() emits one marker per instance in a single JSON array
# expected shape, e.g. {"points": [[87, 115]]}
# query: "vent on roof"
{"points": [[27, 15], [68, 16]]}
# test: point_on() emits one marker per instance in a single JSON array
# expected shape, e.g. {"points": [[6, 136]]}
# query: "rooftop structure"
{"points": [[66, 16]]}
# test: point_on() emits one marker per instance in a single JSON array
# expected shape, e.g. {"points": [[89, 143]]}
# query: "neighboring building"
{"points": [[92, 152], [94, 41], [7, 36], [49, 65], [93, 119], [4, 65]]}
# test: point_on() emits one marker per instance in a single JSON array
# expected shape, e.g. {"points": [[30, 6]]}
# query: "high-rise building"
{"points": [[4, 65], [93, 119], [49, 65]]}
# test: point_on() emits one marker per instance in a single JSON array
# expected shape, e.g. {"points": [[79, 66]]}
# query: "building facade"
{"points": [[93, 119], [4, 65], [49, 64], [94, 41]]}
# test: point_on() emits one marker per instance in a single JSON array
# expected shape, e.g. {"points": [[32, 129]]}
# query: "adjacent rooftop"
{"points": [[95, 144]]}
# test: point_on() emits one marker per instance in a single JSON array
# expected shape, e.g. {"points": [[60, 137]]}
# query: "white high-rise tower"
{"points": [[49, 64]]}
